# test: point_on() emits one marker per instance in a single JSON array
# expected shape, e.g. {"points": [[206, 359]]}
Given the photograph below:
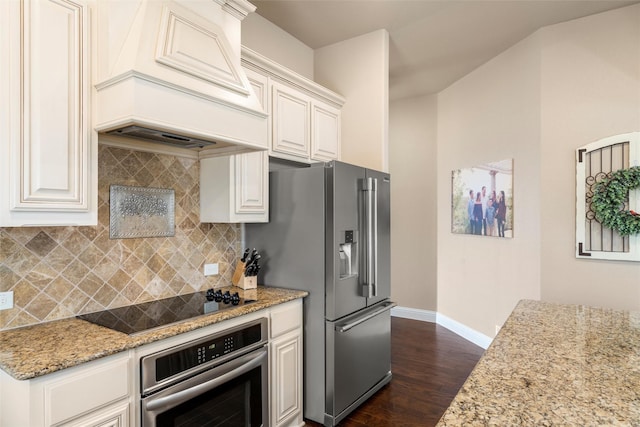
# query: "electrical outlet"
{"points": [[211, 269], [6, 300]]}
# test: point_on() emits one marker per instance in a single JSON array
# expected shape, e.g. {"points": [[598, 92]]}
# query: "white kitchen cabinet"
{"points": [[325, 132], [48, 151], [236, 188], [96, 393], [117, 415], [303, 128], [305, 117], [106, 392], [285, 351], [291, 121]]}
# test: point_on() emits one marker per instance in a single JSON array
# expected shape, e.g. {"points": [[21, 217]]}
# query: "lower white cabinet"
{"points": [[96, 393], [285, 351], [286, 387], [116, 415], [106, 392]]}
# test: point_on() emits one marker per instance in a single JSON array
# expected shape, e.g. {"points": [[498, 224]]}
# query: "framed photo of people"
{"points": [[482, 199]]}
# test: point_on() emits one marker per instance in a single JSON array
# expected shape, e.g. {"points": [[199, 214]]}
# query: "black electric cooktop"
{"points": [[143, 317]]}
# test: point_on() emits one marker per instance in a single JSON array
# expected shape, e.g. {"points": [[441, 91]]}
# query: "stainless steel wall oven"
{"points": [[217, 380]]}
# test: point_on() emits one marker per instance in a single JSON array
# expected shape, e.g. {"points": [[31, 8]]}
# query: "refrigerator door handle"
{"points": [[345, 328], [375, 238], [371, 223]]}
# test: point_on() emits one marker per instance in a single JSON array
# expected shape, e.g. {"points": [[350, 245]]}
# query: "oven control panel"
{"points": [[183, 359]]}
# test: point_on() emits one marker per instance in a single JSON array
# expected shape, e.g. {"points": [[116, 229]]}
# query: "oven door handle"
{"points": [[188, 394]]}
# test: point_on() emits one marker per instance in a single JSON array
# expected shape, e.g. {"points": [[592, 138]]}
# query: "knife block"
{"points": [[250, 282], [250, 294], [238, 274]]}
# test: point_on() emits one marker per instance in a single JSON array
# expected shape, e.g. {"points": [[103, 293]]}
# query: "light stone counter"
{"points": [[37, 350], [555, 365]]}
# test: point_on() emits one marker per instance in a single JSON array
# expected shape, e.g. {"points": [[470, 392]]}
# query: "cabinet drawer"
{"points": [[94, 385], [286, 317], [116, 415]]}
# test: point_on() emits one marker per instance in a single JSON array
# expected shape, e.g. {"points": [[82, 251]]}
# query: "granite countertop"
{"points": [[555, 365], [37, 350]]}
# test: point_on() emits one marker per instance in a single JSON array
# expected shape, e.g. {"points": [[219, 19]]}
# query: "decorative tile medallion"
{"points": [[141, 212]]}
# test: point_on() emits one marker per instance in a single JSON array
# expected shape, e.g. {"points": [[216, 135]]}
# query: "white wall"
{"points": [[268, 39], [491, 114], [590, 90], [412, 164], [562, 88], [358, 69]]}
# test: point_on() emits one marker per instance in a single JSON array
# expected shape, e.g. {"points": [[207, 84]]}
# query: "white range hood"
{"points": [[169, 72]]}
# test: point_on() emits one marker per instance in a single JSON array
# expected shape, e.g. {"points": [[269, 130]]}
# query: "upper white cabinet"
{"points": [[236, 188], [48, 151], [304, 126], [291, 122], [305, 117], [325, 132]]}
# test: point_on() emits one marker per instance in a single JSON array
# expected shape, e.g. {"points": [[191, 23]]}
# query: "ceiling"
{"points": [[432, 43]]}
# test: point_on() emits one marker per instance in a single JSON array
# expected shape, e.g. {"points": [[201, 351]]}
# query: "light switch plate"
{"points": [[211, 269], [6, 300]]}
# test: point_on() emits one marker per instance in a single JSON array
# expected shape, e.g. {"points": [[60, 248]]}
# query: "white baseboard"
{"points": [[457, 328], [414, 314], [481, 340]]}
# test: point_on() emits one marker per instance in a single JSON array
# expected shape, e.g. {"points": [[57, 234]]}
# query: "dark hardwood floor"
{"points": [[429, 365]]}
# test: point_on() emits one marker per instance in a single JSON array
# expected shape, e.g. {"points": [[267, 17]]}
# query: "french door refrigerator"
{"points": [[329, 234]]}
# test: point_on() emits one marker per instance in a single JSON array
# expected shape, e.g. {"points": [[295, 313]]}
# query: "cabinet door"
{"points": [[51, 149], [112, 416], [235, 188], [252, 169], [291, 122], [259, 83], [252, 185], [86, 389], [325, 128], [286, 368]]}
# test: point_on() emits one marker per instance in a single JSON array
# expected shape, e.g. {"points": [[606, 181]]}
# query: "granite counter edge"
{"points": [[21, 355]]}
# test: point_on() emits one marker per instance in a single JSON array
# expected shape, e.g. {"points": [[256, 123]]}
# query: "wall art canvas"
{"points": [[482, 200], [141, 212]]}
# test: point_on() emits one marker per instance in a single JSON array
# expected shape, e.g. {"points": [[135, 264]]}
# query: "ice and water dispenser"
{"points": [[348, 251]]}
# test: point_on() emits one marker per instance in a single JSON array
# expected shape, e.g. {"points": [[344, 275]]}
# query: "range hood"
{"points": [[169, 72]]}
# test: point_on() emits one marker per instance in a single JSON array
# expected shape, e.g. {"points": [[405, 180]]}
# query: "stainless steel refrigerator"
{"points": [[329, 234]]}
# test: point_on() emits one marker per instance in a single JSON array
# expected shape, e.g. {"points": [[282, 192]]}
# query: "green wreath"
{"points": [[609, 198]]}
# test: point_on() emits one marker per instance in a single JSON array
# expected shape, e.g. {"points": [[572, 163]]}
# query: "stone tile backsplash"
{"points": [[59, 272]]}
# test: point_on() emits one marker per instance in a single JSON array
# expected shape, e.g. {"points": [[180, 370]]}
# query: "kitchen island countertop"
{"points": [[37, 350], [554, 364]]}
